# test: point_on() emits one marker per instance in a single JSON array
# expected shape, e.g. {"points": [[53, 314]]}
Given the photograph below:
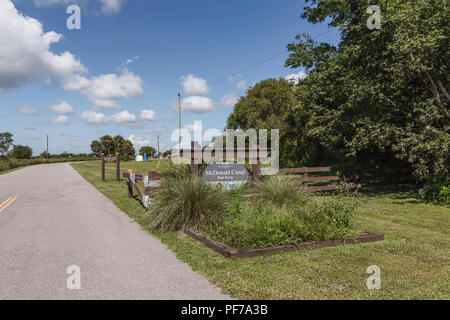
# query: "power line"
{"points": [[264, 61]]}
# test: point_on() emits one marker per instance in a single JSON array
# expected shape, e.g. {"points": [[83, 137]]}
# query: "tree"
{"points": [[22, 152], [109, 145], [6, 141], [44, 155], [275, 104], [380, 95], [150, 151]]}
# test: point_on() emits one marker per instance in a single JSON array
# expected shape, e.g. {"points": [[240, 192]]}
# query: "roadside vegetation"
{"points": [[414, 257], [13, 157]]}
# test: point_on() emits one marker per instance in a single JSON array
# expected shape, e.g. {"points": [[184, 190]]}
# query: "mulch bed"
{"points": [[260, 251]]}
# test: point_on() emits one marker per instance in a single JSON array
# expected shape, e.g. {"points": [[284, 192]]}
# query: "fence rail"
{"points": [[357, 177], [151, 183]]}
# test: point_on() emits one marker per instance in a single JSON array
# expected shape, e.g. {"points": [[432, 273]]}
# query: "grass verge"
{"points": [[414, 257]]}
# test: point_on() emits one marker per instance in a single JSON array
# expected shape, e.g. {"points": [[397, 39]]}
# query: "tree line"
{"points": [[379, 97], [8, 150]]}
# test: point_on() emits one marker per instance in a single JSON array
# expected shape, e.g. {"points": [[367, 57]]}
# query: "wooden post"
{"points": [[103, 166], [130, 186], [117, 166], [305, 177], [194, 167], [256, 172]]}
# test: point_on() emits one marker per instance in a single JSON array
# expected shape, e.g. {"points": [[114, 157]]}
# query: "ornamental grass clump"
{"points": [[280, 192], [183, 201]]}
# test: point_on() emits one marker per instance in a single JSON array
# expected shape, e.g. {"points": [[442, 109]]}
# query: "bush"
{"points": [[279, 191], [268, 224], [436, 191], [183, 201]]}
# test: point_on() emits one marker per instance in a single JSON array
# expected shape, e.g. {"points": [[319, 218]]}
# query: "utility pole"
{"points": [[179, 119], [46, 153], [158, 147]]}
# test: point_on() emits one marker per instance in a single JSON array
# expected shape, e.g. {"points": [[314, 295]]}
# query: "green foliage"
{"points": [[6, 141], [109, 146], [279, 211], [280, 192], [150, 151], [275, 104], [183, 201], [437, 191], [21, 152], [380, 95], [246, 226]]}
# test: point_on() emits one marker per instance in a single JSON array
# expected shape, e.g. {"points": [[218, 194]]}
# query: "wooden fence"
{"points": [[307, 179], [151, 183], [353, 177]]}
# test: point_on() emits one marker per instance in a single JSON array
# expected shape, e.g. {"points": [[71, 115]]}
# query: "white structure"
{"points": [[139, 158]]}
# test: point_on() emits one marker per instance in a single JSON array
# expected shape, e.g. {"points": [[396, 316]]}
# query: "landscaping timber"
{"points": [[260, 251]]}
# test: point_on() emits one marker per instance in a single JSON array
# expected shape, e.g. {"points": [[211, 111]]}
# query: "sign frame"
{"points": [[110, 159]]}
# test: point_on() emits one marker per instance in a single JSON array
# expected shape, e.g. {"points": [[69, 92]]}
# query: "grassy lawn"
{"points": [[414, 258]]}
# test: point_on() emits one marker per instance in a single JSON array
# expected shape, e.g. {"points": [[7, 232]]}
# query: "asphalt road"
{"points": [[59, 220]]}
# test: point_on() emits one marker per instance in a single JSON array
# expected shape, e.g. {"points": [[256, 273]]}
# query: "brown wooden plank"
{"points": [[139, 190], [215, 245], [253, 252], [305, 170], [292, 170], [139, 177], [325, 178]]}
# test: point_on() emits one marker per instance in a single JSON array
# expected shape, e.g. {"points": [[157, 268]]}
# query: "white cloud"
{"points": [[229, 100], [123, 117], [25, 50], [102, 90], [197, 104], [62, 108], [61, 120], [194, 86], [92, 117], [27, 110], [138, 141], [296, 77], [107, 6], [241, 85], [149, 115]]}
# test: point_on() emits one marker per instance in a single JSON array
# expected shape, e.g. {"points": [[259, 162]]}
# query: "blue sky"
{"points": [[136, 55]]}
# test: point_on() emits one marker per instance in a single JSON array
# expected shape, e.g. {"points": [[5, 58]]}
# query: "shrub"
{"points": [[183, 201], [267, 224], [279, 191], [327, 218], [436, 191]]}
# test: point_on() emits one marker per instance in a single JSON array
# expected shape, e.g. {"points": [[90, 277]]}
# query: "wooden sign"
{"points": [[111, 159], [228, 175]]}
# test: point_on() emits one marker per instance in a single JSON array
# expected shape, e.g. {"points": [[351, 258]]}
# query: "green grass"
{"points": [[414, 257]]}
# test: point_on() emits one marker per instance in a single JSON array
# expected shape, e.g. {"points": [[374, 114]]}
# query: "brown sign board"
{"points": [[110, 159]]}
